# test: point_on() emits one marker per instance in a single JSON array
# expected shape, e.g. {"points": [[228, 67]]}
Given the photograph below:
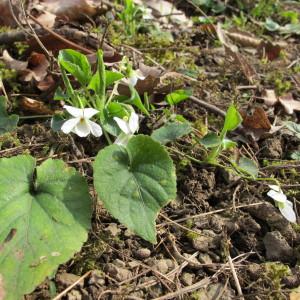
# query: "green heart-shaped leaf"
{"points": [[135, 182], [171, 131], [77, 64], [43, 221]]}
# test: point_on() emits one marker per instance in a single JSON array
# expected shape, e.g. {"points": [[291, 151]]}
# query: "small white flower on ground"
{"points": [[128, 128], [134, 76], [285, 206], [81, 123]]}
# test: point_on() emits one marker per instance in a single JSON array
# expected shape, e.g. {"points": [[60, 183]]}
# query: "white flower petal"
{"points": [[132, 80], [89, 112], [96, 129], [133, 122], [69, 125], [275, 188], [123, 125], [123, 139], [277, 196], [140, 75], [288, 212], [82, 129], [74, 111]]}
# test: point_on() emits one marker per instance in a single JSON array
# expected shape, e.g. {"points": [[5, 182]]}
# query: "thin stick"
{"points": [[236, 280], [59, 37], [60, 295], [202, 283], [211, 213], [208, 106]]}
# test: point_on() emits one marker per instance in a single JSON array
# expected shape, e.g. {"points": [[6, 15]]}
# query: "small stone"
{"points": [[255, 271], [206, 240], [96, 278], [120, 274], [162, 266], [271, 148], [128, 233], [119, 263], [86, 295], [74, 295], [192, 259], [133, 264], [187, 278], [67, 279], [277, 247], [143, 253], [205, 259], [113, 230]]}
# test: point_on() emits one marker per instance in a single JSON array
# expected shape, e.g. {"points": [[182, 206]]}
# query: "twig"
{"points": [[211, 213], [59, 37], [212, 108], [236, 280], [60, 295], [202, 283]]}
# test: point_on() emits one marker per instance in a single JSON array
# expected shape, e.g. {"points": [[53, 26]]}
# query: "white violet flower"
{"points": [[285, 206], [134, 76], [128, 127], [81, 124]]}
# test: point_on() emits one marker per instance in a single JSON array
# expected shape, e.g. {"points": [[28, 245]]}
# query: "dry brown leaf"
{"points": [[46, 18], [289, 104], [269, 50], [269, 97], [34, 106], [46, 84], [71, 9], [37, 67], [257, 124], [152, 78], [12, 63]]}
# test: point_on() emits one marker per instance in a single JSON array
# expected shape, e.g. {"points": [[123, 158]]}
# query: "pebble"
{"points": [[74, 295], [187, 278], [143, 253], [118, 273], [113, 230], [96, 278], [277, 248], [67, 279]]}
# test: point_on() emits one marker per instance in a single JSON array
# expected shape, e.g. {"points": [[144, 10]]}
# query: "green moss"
{"points": [[9, 140], [192, 235], [274, 273]]}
